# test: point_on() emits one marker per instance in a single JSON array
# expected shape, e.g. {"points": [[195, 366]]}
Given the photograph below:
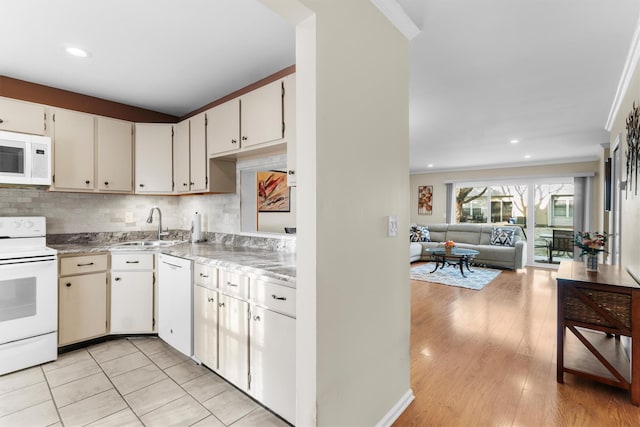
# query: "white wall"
{"points": [[438, 180], [353, 164], [630, 227]]}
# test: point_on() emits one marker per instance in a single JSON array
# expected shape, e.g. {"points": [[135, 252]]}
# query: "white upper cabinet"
{"points": [[115, 155], [154, 153], [19, 116], [247, 121], [223, 127], [198, 153], [261, 115], [73, 147], [190, 155], [181, 178]]}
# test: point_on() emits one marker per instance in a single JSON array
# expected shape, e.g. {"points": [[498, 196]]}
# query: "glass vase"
{"points": [[591, 263]]}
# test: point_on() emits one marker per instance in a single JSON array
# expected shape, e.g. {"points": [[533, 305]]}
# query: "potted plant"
{"points": [[591, 244]]}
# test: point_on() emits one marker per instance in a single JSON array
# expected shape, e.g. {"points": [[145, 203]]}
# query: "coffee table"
{"points": [[456, 257]]}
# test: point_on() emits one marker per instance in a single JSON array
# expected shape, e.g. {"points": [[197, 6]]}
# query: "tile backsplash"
{"points": [[91, 212]]}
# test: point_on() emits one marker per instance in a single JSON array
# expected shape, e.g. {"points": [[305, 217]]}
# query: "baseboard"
{"points": [[397, 409]]}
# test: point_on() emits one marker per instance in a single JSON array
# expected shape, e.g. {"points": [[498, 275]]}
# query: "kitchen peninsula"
{"points": [[228, 303]]}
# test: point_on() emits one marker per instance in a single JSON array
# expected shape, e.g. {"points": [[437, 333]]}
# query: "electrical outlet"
{"points": [[392, 226], [128, 217]]}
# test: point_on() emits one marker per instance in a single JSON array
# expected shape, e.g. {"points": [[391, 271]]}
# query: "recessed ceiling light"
{"points": [[527, 156], [76, 51], [429, 165], [514, 141]]}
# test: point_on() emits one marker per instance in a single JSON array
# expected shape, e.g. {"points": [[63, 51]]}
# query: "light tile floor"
{"points": [[126, 382]]}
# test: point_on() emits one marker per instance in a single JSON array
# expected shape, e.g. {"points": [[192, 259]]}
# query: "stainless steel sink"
{"points": [[144, 244]]}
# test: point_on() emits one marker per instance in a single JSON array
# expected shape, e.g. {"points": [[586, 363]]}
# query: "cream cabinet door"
{"points": [[115, 154], [205, 326], [73, 142], [261, 113], [273, 361], [223, 127], [181, 157], [153, 153], [18, 116], [131, 302], [82, 307], [233, 339], [198, 153]]}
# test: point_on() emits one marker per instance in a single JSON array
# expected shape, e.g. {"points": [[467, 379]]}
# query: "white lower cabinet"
{"points": [[82, 298], [272, 359], [251, 339], [233, 340], [132, 280], [175, 302], [205, 326]]}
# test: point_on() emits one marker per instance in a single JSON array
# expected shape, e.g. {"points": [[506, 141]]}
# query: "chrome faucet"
{"points": [[150, 220]]}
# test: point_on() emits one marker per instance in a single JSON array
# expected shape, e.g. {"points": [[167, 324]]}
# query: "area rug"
{"points": [[451, 276]]}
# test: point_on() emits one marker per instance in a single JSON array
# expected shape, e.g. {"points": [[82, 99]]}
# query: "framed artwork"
{"points": [[273, 192], [425, 196]]}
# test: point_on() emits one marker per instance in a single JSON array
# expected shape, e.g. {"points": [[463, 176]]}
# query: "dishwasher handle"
{"points": [[172, 265]]}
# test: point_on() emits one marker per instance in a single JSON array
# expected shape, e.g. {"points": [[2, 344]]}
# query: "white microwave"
{"points": [[25, 159]]}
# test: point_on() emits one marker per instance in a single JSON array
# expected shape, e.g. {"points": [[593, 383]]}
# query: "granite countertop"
{"points": [[260, 263]]}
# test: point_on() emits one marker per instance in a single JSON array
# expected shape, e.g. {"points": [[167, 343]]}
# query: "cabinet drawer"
{"points": [[132, 261], [232, 283], [273, 296], [205, 275], [83, 264]]}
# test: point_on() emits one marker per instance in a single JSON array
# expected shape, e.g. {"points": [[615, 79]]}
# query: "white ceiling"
{"points": [[482, 72]]}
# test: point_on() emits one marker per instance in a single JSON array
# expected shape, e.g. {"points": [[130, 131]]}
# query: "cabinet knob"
{"points": [[244, 138], [221, 304], [204, 275], [192, 183], [210, 299], [233, 141], [278, 298], [184, 184], [1, 121], [68, 285], [256, 318], [117, 279], [106, 183], [291, 172], [141, 185], [87, 182]]}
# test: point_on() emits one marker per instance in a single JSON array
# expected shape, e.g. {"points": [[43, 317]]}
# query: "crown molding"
{"points": [[627, 73], [398, 17]]}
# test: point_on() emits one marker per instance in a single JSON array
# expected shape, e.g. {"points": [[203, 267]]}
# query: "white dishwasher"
{"points": [[175, 303]]}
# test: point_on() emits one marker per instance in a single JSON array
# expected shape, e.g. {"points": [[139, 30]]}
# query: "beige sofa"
{"points": [[478, 237]]}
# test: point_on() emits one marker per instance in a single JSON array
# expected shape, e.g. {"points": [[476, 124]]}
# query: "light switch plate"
{"points": [[392, 226]]}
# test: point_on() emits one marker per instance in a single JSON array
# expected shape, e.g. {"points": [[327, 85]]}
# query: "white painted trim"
{"points": [[398, 17], [397, 409], [586, 159], [627, 72]]}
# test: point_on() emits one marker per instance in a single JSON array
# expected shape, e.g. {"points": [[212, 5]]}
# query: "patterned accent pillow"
{"points": [[503, 236], [419, 233]]}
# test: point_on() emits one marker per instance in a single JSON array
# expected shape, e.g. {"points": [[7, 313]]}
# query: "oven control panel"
{"points": [[12, 227]]}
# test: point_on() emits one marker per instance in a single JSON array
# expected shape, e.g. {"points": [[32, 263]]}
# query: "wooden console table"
{"points": [[599, 308]]}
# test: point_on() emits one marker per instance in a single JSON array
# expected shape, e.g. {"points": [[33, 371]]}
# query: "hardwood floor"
{"points": [[487, 358]]}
